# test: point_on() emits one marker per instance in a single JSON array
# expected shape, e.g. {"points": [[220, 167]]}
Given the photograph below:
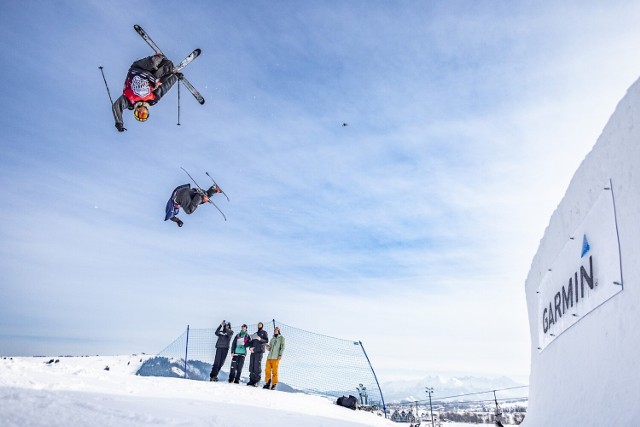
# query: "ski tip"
{"points": [[198, 51]]}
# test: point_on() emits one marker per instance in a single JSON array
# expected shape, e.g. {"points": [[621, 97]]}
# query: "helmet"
{"points": [[141, 111]]}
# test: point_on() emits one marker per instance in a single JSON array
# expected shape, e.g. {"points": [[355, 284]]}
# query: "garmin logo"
{"points": [[585, 274], [569, 295]]}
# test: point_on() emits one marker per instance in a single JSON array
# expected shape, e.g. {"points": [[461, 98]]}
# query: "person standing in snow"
{"points": [[238, 353], [276, 348], [148, 80], [189, 199], [256, 346], [224, 334]]}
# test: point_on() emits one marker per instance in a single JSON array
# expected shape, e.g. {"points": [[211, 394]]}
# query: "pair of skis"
{"points": [[193, 55], [214, 183]]}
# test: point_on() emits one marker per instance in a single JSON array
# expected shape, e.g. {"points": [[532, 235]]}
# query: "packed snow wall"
{"points": [[583, 289]]}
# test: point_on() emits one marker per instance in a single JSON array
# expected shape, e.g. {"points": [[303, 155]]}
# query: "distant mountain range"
{"points": [[414, 390]]}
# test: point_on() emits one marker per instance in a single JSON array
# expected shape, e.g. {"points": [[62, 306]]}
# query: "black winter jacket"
{"points": [[224, 337], [258, 345], [189, 199]]}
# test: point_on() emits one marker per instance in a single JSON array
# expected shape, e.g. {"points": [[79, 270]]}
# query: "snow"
{"points": [[79, 391], [587, 376]]}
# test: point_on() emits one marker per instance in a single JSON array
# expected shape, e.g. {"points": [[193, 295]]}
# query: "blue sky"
{"points": [[416, 222]]}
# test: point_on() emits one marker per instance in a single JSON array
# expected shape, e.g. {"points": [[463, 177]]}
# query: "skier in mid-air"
{"points": [[148, 80], [188, 199]]}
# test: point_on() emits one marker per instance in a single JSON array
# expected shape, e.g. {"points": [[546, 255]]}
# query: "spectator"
{"points": [[224, 334], [256, 346], [276, 348], [238, 353]]}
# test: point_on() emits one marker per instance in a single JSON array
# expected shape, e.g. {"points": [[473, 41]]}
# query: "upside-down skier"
{"points": [[148, 80], [188, 199]]}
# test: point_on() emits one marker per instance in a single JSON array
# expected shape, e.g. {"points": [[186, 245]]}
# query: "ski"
{"points": [[216, 184], [146, 38], [156, 49], [193, 55], [194, 181], [193, 90]]}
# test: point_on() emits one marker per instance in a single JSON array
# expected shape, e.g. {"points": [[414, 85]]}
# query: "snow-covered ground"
{"points": [[79, 391]]}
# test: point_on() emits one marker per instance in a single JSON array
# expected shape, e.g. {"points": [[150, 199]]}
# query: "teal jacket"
{"points": [[277, 347], [240, 343]]}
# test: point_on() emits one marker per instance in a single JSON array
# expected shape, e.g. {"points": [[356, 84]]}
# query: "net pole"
{"points": [[384, 407], [186, 353]]}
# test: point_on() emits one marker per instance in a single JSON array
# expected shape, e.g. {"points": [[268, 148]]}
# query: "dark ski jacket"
{"points": [[258, 345], [224, 337], [148, 80], [188, 198]]}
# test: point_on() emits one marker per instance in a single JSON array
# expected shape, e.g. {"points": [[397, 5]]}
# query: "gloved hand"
{"points": [[120, 127]]}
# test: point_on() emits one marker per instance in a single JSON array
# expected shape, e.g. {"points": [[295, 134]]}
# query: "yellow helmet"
{"points": [[141, 111]]}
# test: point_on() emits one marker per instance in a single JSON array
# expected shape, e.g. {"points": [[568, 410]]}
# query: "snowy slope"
{"points": [[79, 391]]}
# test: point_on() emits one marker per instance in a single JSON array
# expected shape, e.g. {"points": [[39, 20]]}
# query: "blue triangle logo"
{"points": [[585, 246]]}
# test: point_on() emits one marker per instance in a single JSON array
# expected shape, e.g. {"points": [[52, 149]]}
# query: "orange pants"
{"points": [[271, 371]]}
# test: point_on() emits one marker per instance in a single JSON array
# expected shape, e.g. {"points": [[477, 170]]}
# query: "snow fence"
{"points": [[311, 363]]}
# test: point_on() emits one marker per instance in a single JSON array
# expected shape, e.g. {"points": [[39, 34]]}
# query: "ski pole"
{"points": [[178, 102], [106, 85], [194, 181]]}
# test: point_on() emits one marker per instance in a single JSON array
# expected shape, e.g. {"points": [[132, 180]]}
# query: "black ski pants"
{"points": [[221, 356], [237, 362], [255, 367]]}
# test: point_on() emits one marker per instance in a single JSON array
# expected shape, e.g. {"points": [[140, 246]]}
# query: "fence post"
{"points": [[186, 354], [384, 407]]}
